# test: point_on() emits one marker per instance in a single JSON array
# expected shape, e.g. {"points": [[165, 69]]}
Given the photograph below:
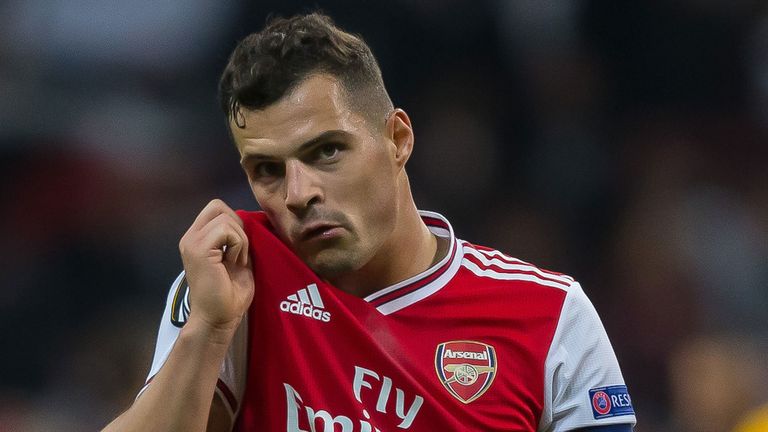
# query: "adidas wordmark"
{"points": [[307, 302]]}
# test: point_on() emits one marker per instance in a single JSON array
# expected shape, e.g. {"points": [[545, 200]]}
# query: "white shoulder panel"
{"points": [[581, 370]]}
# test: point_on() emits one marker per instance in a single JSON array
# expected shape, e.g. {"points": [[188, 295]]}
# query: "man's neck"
{"points": [[411, 250]]}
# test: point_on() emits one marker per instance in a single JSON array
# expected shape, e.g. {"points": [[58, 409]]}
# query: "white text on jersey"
{"points": [[307, 302], [363, 378], [466, 355]]}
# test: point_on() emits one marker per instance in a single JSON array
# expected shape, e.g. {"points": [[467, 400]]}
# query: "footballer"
{"points": [[343, 307]]}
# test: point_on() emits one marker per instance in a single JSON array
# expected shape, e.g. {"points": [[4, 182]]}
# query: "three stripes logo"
{"points": [[307, 302]]}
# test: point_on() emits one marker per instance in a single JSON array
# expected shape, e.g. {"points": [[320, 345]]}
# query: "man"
{"points": [[343, 307]]}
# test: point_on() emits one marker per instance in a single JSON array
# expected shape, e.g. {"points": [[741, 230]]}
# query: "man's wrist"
{"points": [[208, 333]]}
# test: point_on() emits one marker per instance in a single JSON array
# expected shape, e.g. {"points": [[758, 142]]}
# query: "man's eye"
{"points": [[268, 169], [328, 151]]}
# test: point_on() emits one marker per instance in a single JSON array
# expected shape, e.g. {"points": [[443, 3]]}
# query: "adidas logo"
{"points": [[307, 302]]}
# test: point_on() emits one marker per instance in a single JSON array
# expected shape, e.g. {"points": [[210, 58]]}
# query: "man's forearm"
{"points": [[179, 397]]}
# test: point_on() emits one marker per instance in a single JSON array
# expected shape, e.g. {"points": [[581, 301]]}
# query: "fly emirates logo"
{"points": [[382, 389]]}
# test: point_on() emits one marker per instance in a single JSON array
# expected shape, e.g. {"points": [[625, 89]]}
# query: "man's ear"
{"points": [[399, 130]]}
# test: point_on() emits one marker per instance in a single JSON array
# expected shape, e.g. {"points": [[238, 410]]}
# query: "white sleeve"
{"points": [[583, 385], [232, 376]]}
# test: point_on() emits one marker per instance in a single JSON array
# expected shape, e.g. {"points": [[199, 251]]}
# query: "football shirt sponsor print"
{"points": [[466, 368]]}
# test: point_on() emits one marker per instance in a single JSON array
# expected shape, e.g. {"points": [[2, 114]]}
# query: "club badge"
{"points": [[466, 368]]}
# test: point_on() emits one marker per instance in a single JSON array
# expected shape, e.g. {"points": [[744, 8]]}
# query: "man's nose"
{"points": [[302, 188]]}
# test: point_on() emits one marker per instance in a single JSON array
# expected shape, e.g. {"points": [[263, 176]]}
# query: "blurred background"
{"points": [[624, 143]]}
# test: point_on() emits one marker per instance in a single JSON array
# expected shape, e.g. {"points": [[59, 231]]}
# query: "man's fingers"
{"points": [[214, 208], [232, 254], [213, 242], [223, 231]]}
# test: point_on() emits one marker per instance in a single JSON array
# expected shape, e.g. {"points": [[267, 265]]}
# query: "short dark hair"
{"points": [[267, 65]]}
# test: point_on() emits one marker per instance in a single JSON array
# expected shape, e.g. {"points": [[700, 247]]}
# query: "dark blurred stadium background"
{"points": [[624, 143]]}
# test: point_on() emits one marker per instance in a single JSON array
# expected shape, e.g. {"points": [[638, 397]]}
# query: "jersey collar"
{"points": [[403, 294]]}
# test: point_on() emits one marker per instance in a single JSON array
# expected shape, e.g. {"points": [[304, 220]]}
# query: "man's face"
{"points": [[326, 178]]}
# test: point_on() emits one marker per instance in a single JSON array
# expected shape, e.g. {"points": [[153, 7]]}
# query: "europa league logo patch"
{"points": [[180, 306], [466, 368]]}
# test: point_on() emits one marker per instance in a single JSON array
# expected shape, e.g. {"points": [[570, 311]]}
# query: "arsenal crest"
{"points": [[466, 368]]}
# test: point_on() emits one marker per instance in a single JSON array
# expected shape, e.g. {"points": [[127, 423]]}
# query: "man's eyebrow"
{"points": [[323, 137]]}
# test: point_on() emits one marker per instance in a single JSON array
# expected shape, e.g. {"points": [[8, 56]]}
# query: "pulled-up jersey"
{"points": [[478, 342]]}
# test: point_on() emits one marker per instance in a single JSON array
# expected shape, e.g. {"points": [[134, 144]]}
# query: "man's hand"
{"points": [[215, 255]]}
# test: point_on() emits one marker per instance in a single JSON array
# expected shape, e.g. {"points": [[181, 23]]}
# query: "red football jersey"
{"points": [[478, 342]]}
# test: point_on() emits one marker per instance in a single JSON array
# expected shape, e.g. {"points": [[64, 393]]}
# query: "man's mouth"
{"points": [[320, 231]]}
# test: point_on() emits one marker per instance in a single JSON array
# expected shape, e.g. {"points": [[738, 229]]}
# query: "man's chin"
{"points": [[330, 263]]}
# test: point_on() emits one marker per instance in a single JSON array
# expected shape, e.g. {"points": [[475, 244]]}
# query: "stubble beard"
{"points": [[331, 265]]}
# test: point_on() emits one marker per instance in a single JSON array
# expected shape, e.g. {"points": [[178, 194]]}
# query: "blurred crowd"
{"points": [[623, 143]]}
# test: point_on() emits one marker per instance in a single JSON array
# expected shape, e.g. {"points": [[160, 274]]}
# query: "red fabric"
{"points": [[301, 368]]}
